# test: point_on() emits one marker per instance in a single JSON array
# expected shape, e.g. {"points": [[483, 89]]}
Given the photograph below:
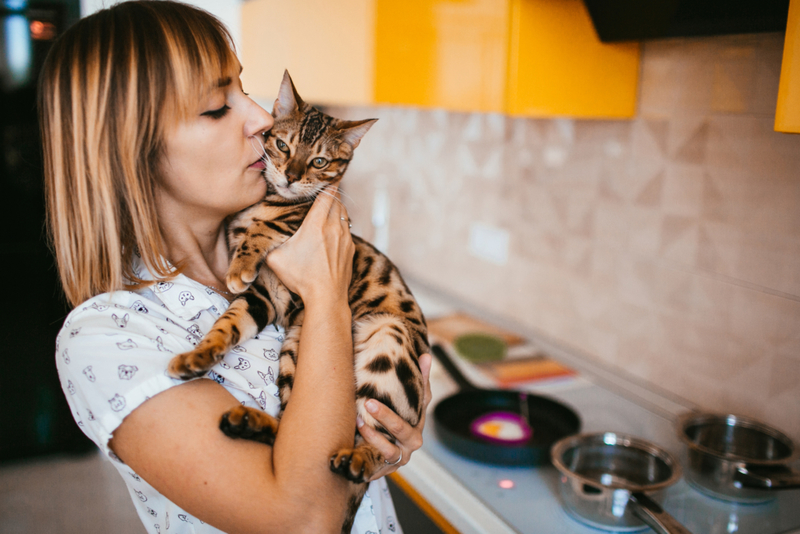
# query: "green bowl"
{"points": [[480, 348]]}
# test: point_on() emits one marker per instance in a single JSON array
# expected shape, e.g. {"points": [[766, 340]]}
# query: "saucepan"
{"points": [[498, 426], [611, 481], [737, 458]]}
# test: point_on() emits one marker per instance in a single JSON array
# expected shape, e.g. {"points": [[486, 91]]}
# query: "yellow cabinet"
{"points": [[328, 47], [787, 114], [442, 53], [559, 67], [523, 57]]}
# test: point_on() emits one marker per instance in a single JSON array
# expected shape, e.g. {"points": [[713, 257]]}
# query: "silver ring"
{"points": [[398, 460], [349, 225]]}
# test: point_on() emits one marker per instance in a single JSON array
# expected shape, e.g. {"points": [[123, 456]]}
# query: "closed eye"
{"points": [[217, 113]]}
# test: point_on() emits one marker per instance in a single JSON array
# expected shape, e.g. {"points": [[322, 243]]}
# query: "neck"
{"points": [[196, 245]]}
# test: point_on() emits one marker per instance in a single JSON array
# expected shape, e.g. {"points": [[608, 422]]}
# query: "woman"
{"points": [[150, 144]]}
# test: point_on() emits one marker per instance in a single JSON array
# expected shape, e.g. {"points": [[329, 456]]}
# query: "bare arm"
{"points": [[173, 440]]}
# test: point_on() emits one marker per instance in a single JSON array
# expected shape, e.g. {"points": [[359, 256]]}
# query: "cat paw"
{"points": [[248, 423], [356, 465], [191, 364], [241, 273]]}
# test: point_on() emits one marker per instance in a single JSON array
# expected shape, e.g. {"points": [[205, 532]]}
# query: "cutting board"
{"points": [[525, 361]]}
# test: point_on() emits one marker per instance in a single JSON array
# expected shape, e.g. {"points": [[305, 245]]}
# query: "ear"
{"points": [[353, 131], [288, 100]]}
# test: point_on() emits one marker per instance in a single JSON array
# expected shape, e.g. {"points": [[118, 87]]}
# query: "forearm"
{"points": [[320, 417]]}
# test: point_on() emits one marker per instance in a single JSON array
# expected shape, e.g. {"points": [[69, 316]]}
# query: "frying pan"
{"points": [[538, 421]]}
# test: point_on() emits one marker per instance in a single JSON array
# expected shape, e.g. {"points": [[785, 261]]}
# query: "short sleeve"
{"points": [[111, 359]]}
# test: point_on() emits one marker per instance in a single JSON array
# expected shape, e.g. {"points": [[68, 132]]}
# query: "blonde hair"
{"points": [[108, 88]]}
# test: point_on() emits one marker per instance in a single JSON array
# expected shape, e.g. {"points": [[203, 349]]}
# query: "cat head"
{"points": [[307, 150]]}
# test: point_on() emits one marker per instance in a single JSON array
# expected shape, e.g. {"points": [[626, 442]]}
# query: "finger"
{"points": [[425, 363], [323, 205], [388, 450], [405, 434]]}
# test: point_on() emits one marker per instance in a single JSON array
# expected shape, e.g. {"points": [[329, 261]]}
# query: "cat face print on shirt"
{"points": [[163, 286], [89, 374], [122, 322], [127, 345], [126, 372], [117, 402], [139, 307]]}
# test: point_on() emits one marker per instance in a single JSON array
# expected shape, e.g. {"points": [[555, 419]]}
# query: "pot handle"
{"points": [[452, 370], [775, 478], [656, 518]]}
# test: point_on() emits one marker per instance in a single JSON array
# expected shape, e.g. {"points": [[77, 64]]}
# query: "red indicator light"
{"points": [[506, 483]]}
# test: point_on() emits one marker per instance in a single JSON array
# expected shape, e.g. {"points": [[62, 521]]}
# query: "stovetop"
{"points": [[527, 499]]}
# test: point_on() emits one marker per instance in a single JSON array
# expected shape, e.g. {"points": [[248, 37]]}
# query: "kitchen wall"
{"points": [[668, 245], [228, 11]]}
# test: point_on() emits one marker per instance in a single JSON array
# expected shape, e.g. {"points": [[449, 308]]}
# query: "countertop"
{"points": [[469, 496]]}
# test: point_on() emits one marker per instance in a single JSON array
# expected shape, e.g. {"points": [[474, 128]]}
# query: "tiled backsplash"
{"points": [[668, 245]]}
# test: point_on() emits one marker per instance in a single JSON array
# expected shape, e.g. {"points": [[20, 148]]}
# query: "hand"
{"points": [[409, 438], [317, 261]]}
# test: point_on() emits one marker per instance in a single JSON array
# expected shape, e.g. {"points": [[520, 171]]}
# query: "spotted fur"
{"points": [[306, 151]]}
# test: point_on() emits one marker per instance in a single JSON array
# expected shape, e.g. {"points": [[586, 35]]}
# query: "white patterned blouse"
{"points": [[112, 355]]}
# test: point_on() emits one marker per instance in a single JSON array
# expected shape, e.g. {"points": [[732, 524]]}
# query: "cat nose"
{"points": [[294, 171], [292, 176]]}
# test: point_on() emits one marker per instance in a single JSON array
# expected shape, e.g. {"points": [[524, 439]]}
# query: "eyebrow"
{"points": [[226, 81]]}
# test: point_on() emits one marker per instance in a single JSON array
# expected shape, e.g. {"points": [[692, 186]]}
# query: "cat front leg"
{"points": [[247, 315], [251, 251]]}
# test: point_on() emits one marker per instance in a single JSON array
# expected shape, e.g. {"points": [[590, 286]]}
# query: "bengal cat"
{"points": [[306, 151]]}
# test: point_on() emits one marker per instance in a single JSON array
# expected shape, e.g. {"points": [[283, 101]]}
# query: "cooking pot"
{"points": [[608, 481], [736, 458], [499, 426]]}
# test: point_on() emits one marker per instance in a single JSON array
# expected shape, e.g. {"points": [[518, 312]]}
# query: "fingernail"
{"points": [[372, 406], [359, 422]]}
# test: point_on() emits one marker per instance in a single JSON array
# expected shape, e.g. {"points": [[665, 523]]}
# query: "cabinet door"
{"points": [[448, 54], [787, 114], [327, 46], [559, 67]]}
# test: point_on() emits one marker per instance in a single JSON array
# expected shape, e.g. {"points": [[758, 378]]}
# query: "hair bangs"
{"points": [[201, 54]]}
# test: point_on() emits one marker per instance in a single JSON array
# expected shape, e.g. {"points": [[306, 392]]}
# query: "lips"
{"points": [[258, 164]]}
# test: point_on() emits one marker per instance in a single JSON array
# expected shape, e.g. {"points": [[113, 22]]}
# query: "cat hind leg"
{"points": [[358, 464], [249, 423]]}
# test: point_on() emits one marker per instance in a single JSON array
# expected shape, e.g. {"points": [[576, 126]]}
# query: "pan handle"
{"points": [[451, 369], [778, 478], [656, 518]]}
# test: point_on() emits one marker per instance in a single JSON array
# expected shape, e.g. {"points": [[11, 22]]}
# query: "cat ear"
{"points": [[288, 100], [353, 131]]}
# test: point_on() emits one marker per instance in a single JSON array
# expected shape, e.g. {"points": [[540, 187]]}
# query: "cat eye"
{"points": [[216, 113], [319, 162], [281, 146]]}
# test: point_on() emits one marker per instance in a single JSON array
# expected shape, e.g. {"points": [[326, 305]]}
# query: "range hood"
{"points": [[628, 20]]}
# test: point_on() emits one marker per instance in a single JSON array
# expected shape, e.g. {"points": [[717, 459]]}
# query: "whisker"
{"points": [[261, 152], [322, 190]]}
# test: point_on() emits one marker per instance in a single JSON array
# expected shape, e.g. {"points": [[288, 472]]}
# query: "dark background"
{"points": [[34, 416]]}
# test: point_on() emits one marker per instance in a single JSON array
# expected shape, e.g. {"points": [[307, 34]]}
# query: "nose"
{"points": [[259, 122]]}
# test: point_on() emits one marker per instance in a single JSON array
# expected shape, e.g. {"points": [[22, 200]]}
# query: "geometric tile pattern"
{"points": [[667, 246]]}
